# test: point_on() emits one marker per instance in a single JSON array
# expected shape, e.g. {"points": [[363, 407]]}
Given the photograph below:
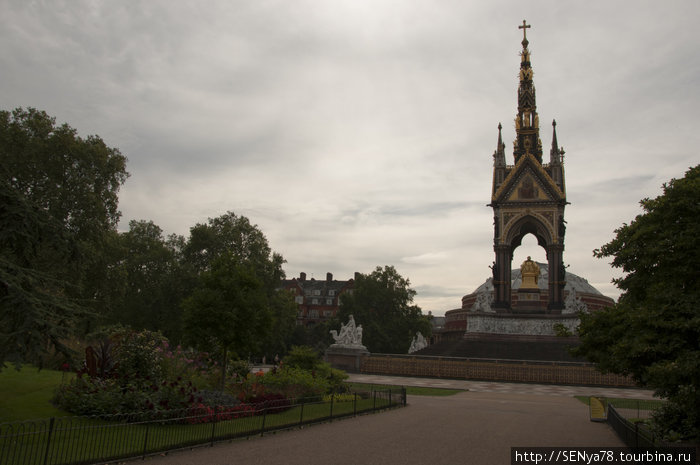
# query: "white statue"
{"points": [[574, 304], [483, 302], [418, 343], [350, 334]]}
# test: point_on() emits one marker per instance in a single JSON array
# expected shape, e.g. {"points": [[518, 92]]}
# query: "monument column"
{"points": [[557, 275], [501, 278]]}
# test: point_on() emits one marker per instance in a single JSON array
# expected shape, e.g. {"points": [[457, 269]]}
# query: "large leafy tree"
{"points": [[60, 212], [653, 332], [151, 280], [236, 307], [382, 302], [228, 313], [36, 316]]}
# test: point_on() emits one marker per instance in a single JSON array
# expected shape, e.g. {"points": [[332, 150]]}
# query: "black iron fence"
{"points": [[87, 440], [633, 434]]}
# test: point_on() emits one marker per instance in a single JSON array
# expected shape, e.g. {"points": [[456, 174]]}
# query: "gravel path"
{"points": [[467, 428]]}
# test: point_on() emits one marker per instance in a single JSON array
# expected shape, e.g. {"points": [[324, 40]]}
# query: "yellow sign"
{"points": [[597, 409]]}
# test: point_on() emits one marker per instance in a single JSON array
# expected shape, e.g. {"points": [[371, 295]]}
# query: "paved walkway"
{"points": [[512, 388], [475, 427]]}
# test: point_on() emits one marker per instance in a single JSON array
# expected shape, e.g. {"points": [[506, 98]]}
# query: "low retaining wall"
{"points": [[491, 370]]}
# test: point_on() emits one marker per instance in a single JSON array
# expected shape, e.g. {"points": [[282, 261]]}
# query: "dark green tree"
{"points": [[153, 281], [61, 211], [653, 332], [382, 302], [236, 307], [228, 313], [235, 235], [36, 316]]}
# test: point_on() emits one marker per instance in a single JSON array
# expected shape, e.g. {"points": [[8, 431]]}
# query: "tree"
{"points": [[653, 332], [236, 306], [61, 192], [35, 314], [228, 313], [153, 281], [382, 303], [232, 234]]}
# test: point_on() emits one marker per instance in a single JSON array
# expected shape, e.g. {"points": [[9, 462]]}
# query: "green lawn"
{"points": [[78, 440], [25, 394], [641, 404]]}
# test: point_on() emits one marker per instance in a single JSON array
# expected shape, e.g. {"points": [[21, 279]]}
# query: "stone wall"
{"points": [[491, 370]]}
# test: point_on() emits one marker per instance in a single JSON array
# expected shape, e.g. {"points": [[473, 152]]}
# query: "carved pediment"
{"points": [[528, 182], [528, 189]]}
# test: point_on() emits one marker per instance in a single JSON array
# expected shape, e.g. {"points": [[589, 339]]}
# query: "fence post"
{"points": [[332, 397], [374, 400], [213, 425], [145, 440], [301, 415], [48, 440], [354, 406], [403, 395], [262, 427]]}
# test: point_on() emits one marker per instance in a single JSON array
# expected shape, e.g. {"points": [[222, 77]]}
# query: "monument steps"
{"points": [[553, 350]]}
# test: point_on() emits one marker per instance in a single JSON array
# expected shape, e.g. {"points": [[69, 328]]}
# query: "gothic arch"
{"points": [[524, 225], [515, 230]]}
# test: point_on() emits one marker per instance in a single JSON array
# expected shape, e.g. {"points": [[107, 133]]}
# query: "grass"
{"points": [[79, 440], [639, 404], [410, 390], [25, 394]]}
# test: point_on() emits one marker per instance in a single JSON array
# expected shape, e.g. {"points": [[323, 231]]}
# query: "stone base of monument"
{"points": [[529, 302], [519, 337], [525, 325], [346, 357]]}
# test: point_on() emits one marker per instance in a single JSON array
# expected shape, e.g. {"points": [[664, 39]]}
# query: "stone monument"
{"points": [[518, 313], [347, 352], [350, 336], [418, 343]]}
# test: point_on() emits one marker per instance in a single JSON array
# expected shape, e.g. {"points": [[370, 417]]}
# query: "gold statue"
{"points": [[530, 272]]}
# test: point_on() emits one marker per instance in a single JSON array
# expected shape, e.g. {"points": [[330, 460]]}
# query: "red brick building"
{"points": [[317, 300]]}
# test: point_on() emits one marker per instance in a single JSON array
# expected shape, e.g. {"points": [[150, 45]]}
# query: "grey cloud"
{"points": [[359, 134]]}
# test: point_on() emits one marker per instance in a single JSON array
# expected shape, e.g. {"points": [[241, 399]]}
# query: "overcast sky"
{"points": [[360, 133]]}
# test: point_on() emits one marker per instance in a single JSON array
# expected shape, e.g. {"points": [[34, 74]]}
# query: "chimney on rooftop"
{"points": [[329, 277], [302, 276]]}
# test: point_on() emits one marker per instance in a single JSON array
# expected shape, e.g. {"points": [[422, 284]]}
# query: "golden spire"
{"points": [[527, 120]]}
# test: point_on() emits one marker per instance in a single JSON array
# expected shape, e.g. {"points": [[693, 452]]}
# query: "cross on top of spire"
{"points": [[524, 27]]}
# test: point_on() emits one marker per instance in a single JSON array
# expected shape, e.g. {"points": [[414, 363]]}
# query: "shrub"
{"points": [[206, 414], [339, 397], [218, 398], [294, 383], [336, 381], [306, 358], [303, 357], [188, 364], [139, 357], [274, 403], [100, 396], [238, 369]]}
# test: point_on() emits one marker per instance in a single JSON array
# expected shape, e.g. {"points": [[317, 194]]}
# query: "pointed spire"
{"points": [[527, 120], [554, 154], [499, 156]]}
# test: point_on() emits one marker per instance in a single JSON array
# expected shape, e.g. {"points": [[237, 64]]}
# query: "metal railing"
{"points": [[87, 440], [632, 434]]}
